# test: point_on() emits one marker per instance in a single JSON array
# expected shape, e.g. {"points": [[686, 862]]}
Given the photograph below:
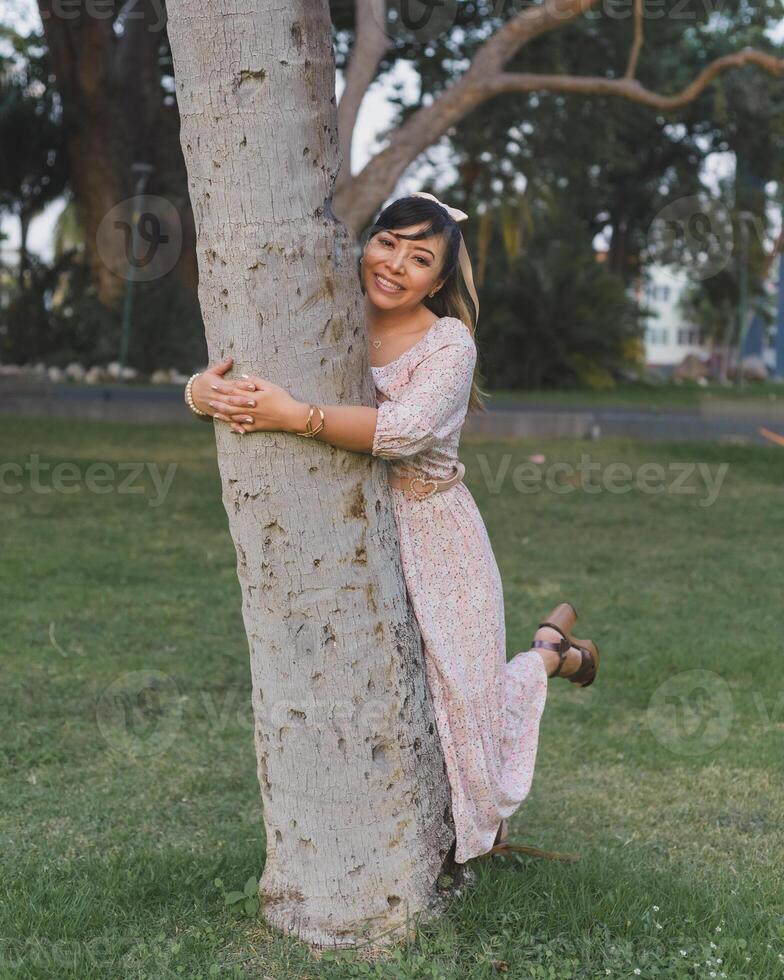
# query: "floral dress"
{"points": [[487, 710]]}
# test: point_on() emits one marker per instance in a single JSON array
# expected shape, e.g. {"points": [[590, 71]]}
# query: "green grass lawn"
{"points": [[668, 783]]}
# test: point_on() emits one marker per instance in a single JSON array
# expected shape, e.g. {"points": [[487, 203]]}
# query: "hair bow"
{"points": [[454, 213], [465, 262]]}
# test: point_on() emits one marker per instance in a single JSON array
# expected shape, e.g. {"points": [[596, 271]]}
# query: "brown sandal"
{"points": [[586, 672], [503, 848], [562, 619]]}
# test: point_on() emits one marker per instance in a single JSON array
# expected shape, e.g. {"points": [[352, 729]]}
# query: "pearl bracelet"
{"points": [[189, 395]]}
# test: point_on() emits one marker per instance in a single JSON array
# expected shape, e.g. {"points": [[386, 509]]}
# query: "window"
{"points": [[657, 335], [689, 335], [657, 293]]}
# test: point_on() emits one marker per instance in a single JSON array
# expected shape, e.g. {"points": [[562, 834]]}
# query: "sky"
{"points": [[375, 115]]}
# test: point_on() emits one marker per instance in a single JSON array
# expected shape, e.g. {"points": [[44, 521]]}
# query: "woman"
{"points": [[421, 313]]}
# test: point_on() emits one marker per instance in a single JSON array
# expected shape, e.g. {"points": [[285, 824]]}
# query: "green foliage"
{"points": [[33, 165], [58, 319], [555, 317], [75, 327], [245, 902]]}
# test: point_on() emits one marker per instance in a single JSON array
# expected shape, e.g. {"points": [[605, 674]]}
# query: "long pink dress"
{"points": [[487, 710]]}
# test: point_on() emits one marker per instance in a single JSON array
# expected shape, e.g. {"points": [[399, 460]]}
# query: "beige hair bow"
{"points": [[465, 262]]}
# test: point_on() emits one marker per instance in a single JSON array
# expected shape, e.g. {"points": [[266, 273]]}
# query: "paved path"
{"points": [[164, 404]]}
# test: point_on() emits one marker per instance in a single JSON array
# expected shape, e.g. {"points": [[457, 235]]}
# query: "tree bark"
{"points": [[356, 799]]}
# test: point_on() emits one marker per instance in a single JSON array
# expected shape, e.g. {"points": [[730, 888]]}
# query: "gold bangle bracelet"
{"points": [[309, 430]]}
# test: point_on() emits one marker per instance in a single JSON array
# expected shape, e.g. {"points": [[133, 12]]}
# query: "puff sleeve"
{"points": [[432, 404]]}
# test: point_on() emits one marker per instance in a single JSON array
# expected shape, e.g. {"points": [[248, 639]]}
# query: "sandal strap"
{"points": [[561, 648], [547, 645]]}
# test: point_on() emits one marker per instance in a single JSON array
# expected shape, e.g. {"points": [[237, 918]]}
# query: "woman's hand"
{"points": [[201, 389], [253, 404]]}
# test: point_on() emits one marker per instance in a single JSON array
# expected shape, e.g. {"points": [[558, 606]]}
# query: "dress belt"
{"points": [[424, 486]]}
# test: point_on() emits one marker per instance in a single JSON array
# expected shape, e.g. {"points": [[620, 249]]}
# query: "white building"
{"points": [[668, 337]]}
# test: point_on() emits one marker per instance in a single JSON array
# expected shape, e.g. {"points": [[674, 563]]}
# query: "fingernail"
{"points": [[244, 375], [250, 404], [214, 387], [211, 403], [251, 387]]}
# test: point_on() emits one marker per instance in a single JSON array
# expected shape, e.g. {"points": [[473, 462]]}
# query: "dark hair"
{"points": [[453, 298]]}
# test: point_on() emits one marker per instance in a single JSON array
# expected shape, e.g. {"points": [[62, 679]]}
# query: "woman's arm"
{"points": [[349, 427], [431, 405], [253, 404]]}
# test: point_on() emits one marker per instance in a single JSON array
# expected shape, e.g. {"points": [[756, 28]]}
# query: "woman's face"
{"points": [[398, 273]]}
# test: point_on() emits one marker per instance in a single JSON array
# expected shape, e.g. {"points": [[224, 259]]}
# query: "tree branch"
{"points": [[634, 54], [356, 199], [370, 45], [630, 88]]}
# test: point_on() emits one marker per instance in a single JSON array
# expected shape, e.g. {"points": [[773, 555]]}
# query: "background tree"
{"points": [[559, 317], [112, 70], [501, 64], [33, 168], [553, 81]]}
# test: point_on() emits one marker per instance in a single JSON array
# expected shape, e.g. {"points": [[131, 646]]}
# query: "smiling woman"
{"points": [[421, 312]]}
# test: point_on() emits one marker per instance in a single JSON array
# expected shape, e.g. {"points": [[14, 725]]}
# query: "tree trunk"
{"points": [[110, 85], [356, 800], [24, 259]]}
